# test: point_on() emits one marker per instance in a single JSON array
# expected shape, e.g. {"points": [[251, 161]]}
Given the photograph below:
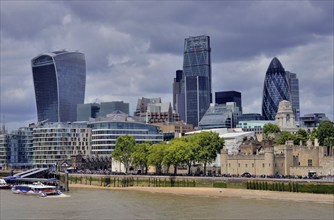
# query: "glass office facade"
{"points": [[196, 84], [105, 133], [294, 93], [220, 116], [276, 88], [59, 81]]}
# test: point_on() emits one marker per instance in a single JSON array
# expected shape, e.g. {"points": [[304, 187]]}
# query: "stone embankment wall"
{"points": [[292, 185]]}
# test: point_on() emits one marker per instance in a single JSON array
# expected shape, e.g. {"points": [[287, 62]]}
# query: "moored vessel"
{"points": [[4, 184], [36, 189]]}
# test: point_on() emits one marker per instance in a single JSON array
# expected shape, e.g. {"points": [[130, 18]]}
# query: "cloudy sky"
{"points": [[133, 48]]}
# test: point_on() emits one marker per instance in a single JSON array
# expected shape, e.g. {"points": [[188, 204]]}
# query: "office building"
{"points": [[251, 125], [294, 93], [109, 107], [55, 142], [177, 100], [220, 116], [276, 88], [250, 117], [106, 130], [152, 110], [313, 120], [229, 96], [85, 112], [196, 81], [16, 148], [59, 80]]}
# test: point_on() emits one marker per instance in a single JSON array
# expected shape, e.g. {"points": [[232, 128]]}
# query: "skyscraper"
{"points": [[59, 81], [177, 90], [276, 88], [196, 84], [294, 93], [229, 96]]}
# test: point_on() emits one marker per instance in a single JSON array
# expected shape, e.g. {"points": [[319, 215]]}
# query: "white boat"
{"points": [[3, 184], [36, 189]]}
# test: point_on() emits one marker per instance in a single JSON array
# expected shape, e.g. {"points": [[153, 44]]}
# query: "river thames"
{"points": [[114, 204]]}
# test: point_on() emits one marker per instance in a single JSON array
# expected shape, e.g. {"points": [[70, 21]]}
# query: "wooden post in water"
{"points": [[66, 182]]}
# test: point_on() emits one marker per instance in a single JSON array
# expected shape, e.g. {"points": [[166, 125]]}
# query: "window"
{"points": [[252, 164], [309, 163], [238, 164], [263, 165], [246, 165]]}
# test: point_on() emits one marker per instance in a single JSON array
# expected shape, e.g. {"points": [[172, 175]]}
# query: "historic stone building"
{"points": [[269, 160], [285, 118]]}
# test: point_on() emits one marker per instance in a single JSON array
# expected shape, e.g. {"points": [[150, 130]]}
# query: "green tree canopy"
{"points": [[178, 152], [284, 137], [209, 145], [325, 130], [140, 156], [270, 128], [124, 149], [156, 155], [301, 135]]}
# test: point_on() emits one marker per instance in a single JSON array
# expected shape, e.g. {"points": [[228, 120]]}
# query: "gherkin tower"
{"points": [[276, 88]]}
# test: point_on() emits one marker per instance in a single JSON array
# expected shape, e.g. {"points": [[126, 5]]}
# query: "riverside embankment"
{"points": [[264, 184]]}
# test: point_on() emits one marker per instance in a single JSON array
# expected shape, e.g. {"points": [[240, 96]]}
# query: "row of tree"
{"points": [[324, 133], [188, 150]]}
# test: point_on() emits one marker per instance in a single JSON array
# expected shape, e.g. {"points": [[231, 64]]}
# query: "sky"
{"points": [[133, 48]]}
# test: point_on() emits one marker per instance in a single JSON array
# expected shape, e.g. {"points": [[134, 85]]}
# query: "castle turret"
{"points": [[223, 161]]}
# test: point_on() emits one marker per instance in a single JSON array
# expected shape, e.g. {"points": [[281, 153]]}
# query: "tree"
{"points": [[270, 128], [209, 144], [140, 156], [124, 149], [156, 155], [193, 150], [284, 137], [325, 130], [301, 135], [178, 152]]}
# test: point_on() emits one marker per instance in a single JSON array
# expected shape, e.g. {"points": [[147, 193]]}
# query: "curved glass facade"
{"points": [[59, 81], [105, 133], [276, 89], [196, 84]]}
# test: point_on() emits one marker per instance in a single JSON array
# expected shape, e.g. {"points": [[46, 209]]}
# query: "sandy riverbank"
{"points": [[223, 192]]}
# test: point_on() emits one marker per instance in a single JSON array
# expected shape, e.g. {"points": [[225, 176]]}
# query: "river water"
{"points": [[113, 204]]}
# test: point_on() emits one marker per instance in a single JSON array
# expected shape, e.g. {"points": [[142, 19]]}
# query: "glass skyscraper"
{"points": [[276, 88], [294, 93], [59, 81], [196, 81]]}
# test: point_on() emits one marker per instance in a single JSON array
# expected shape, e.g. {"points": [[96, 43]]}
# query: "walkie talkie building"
{"points": [[59, 81], [196, 84], [276, 88]]}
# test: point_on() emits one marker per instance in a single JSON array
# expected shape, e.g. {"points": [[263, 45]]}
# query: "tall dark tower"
{"points": [[276, 88], [177, 90], [196, 84], [294, 93], [59, 81]]}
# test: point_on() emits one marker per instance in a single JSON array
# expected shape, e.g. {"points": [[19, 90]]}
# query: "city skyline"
{"points": [[130, 55]]}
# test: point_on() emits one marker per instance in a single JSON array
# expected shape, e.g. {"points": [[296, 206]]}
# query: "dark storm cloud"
{"points": [[133, 48], [240, 29]]}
